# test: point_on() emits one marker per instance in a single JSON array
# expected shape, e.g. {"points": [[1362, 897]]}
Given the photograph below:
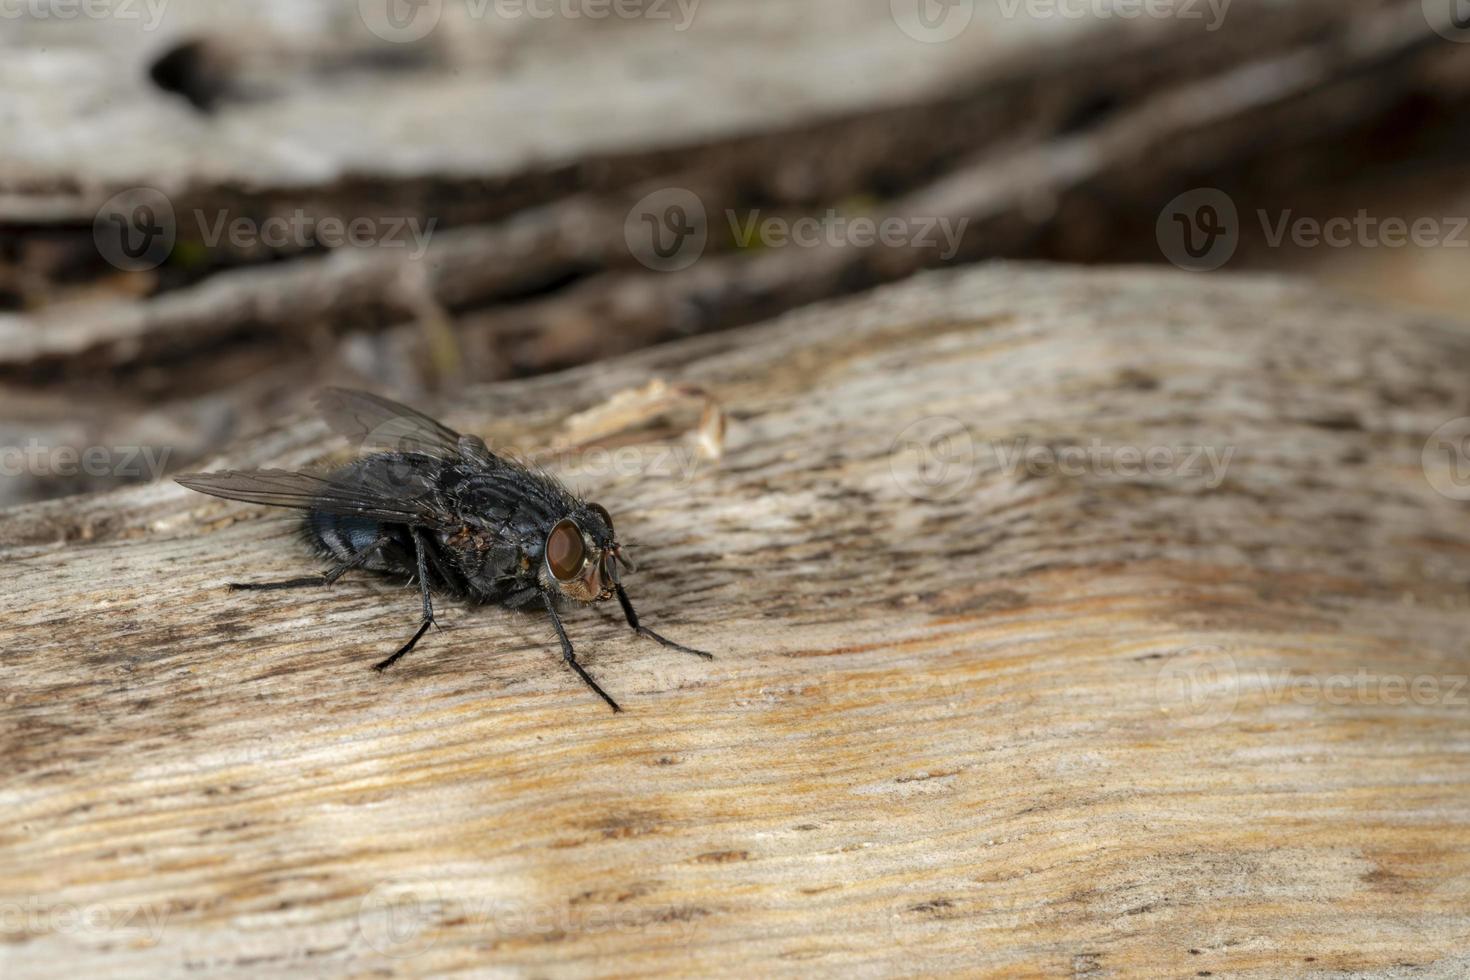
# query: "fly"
{"points": [[440, 507]]}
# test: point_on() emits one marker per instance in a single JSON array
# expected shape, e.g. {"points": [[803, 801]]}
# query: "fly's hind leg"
{"points": [[428, 620], [325, 578], [290, 583]]}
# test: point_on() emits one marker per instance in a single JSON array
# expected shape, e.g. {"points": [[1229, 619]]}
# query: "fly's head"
{"points": [[583, 554]]}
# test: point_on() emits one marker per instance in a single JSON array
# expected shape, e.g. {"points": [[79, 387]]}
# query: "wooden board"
{"points": [[971, 713]]}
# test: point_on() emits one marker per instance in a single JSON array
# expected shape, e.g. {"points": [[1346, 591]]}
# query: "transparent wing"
{"points": [[377, 425], [399, 495]]}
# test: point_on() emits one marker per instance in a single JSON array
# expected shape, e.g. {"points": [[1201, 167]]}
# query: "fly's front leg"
{"points": [[570, 657], [428, 620], [642, 630]]}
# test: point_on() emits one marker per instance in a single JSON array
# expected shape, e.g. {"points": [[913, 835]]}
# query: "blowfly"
{"points": [[425, 502]]}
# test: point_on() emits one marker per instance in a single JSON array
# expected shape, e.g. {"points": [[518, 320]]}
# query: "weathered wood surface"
{"points": [[1018, 723]]}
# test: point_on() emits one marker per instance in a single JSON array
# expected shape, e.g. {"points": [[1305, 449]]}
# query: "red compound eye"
{"points": [[565, 553]]}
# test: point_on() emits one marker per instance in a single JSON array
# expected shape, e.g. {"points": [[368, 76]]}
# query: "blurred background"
{"points": [[208, 209]]}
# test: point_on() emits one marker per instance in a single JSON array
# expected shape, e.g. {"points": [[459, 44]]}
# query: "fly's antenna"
{"points": [[620, 559]]}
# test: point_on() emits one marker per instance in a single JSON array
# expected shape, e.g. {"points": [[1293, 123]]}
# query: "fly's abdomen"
{"points": [[344, 539]]}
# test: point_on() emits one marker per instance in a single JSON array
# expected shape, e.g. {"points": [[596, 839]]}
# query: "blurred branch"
{"points": [[1064, 153]]}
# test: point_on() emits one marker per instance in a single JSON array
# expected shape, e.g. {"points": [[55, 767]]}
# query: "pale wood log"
{"points": [[1022, 724]]}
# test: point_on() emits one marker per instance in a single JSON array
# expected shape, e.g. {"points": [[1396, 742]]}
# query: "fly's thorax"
{"points": [[492, 564], [524, 524]]}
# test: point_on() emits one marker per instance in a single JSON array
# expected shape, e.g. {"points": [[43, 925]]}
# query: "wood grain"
{"points": [[967, 717]]}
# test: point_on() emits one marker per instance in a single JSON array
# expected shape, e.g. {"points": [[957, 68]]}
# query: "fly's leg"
{"points": [[641, 630], [325, 578], [571, 658], [428, 620], [290, 583]]}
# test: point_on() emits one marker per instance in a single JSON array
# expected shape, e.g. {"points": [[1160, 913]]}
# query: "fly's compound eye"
{"points": [[565, 553], [601, 512]]}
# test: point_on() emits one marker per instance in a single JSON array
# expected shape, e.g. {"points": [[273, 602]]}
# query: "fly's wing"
{"points": [[377, 425], [400, 498]]}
